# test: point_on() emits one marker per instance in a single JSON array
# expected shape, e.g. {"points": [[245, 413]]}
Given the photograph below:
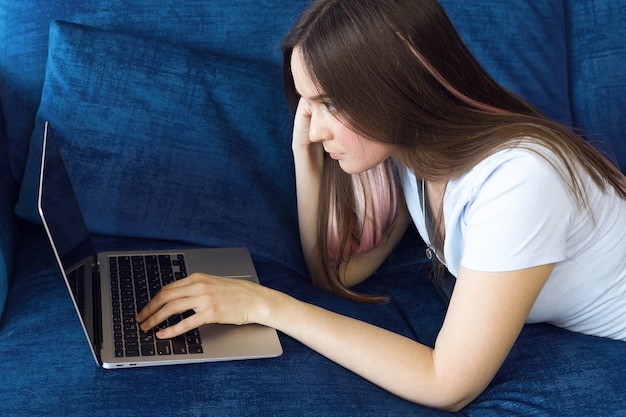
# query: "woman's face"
{"points": [[354, 152]]}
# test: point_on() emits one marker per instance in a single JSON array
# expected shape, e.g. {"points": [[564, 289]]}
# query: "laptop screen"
{"points": [[66, 229]]}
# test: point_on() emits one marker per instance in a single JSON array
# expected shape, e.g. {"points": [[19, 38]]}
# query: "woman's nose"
{"points": [[318, 131]]}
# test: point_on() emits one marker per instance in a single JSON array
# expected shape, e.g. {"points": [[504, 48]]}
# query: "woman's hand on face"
{"points": [[308, 154], [302, 124], [213, 299]]}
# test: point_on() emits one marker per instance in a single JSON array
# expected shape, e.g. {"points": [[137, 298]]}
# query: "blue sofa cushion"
{"points": [[522, 45], [598, 80], [244, 30], [550, 372], [7, 219], [163, 142]]}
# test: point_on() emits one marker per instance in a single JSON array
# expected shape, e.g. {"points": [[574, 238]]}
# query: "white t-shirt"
{"points": [[514, 211]]}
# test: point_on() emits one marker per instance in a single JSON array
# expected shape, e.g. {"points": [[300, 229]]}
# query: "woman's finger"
{"points": [[162, 306], [192, 322]]}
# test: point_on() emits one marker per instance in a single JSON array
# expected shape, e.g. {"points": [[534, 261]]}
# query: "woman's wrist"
{"points": [[308, 156], [271, 307]]}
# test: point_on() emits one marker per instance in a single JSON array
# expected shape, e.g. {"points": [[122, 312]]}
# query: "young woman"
{"points": [[395, 122]]}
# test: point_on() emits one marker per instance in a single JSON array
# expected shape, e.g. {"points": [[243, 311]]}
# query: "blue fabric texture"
{"points": [[7, 219], [247, 29], [522, 45], [550, 372], [159, 142], [597, 75]]}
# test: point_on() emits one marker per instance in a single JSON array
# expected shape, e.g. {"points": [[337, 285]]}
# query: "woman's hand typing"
{"points": [[213, 299]]}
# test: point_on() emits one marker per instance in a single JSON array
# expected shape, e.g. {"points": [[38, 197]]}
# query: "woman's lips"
{"points": [[333, 155]]}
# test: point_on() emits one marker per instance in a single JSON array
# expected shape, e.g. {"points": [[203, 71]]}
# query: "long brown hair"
{"points": [[398, 72]]}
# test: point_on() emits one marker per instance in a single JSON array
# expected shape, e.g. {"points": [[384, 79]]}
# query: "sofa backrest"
{"points": [[250, 30], [7, 223], [566, 57], [596, 55]]}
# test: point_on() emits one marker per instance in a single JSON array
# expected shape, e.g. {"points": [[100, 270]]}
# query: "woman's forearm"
{"points": [[393, 362], [309, 160]]}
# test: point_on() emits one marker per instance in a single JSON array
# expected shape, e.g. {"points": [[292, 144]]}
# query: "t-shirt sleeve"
{"points": [[518, 216]]}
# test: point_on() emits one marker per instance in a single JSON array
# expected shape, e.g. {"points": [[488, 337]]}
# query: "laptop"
{"points": [[109, 288]]}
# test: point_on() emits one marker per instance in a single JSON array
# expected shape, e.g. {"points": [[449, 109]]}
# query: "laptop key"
{"points": [[148, 350], [193, 341], [131, 344], [163, 347], [130, 327], [146, 338], [195, 349], [167, 277], [179, 347], [132, 352]]}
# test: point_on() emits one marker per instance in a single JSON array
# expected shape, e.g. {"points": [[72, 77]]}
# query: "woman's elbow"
{"points": [[446, 404], [449, 396], [458, 405], [451, 403]]}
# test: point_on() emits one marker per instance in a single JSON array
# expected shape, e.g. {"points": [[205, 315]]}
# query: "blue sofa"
{"points": [[171, 117]]}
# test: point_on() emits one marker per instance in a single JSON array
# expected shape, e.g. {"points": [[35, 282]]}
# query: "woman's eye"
{"points": [[329, 106]]}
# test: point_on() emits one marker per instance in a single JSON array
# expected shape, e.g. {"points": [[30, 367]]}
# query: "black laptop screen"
{"points": [[64, 223]]}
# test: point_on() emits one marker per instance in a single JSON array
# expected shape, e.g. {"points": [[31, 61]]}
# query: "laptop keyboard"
{"points": [[134, 281]]}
